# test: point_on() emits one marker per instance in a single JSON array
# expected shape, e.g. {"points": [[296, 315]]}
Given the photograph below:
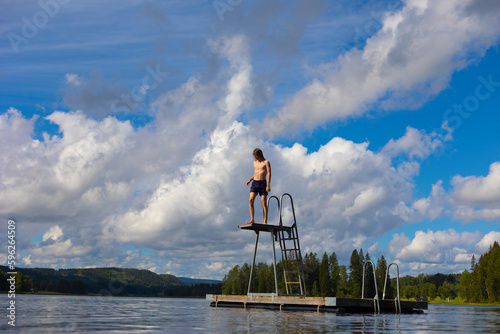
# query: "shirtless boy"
{"points": [[262, 169]]}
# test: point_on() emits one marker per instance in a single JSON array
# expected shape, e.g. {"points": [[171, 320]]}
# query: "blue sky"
{"points": [[128, 126]]}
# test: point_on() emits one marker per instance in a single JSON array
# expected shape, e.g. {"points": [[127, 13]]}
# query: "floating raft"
{"points": [[318, 304], [288, 238]]}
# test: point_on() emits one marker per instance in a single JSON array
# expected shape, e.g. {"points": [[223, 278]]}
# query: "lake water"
{"points": [[86, 314]]}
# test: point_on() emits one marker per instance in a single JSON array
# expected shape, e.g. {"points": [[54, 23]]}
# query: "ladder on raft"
{"points": [[291, 256], [376, 300]]}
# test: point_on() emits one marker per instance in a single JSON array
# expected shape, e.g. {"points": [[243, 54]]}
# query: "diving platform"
{"points": [[295, 297], [317, 304], [263, 227], [291, 256]]}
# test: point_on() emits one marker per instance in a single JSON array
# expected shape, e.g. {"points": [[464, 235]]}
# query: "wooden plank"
{"points": [[326, 304], [280, 300]]}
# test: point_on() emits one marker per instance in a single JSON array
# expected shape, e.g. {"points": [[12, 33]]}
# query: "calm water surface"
{"points": [[85, 314]]}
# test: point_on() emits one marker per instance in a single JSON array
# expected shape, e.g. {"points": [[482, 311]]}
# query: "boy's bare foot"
{"points": [[250, 222]]}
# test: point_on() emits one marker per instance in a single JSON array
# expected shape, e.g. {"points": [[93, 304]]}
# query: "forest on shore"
{"points": [[326, 277], [106, 282]]}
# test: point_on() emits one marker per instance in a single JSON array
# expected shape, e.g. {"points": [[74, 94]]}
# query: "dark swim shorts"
{"points": [[259, 187]]}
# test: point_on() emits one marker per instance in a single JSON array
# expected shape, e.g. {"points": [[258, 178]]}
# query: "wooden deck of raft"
{"points": [[319, 304]]}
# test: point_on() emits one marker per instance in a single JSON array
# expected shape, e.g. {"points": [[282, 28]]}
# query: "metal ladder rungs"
{"points": [[292, 282]]}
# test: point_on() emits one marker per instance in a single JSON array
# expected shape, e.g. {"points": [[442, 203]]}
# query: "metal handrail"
{"points": [[377, 305], [293, 209], [279, 207], [397, 300]]}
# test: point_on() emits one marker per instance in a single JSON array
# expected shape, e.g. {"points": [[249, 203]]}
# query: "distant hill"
{"points": [[194, 281], [105, 281]]}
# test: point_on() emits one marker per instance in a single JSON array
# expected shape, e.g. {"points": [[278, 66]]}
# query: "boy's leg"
{"points": [[264, 207], [251, 207]]}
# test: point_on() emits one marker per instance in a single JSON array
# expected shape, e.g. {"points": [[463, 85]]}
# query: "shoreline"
{"points": [[463, 304], [50, 293], [456, 302]]}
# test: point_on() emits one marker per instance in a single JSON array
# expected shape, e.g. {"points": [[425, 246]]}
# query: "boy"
{"points": [[262, 169]]}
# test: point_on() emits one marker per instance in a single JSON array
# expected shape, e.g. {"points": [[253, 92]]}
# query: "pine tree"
{"points": [[343, 289], [334, 273], [261, 278], [311, 273], [369, 277], [325, 289], [465, 286], [482, 284], [229, 283], [243, 279], [493, 273], [356, 273], [381, 273], [473, 264]]}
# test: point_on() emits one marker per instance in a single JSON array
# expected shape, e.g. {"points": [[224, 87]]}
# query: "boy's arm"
{"points": [[250, 180], [268, 187]]}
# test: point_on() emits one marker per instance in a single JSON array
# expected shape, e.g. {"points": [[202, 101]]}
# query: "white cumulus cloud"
{"points": [[433, 246], [417, 49], [54, 233], [480, 189]]}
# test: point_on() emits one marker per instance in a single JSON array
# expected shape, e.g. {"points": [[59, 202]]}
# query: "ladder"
{"points": [[376, 299], [291, 256]]}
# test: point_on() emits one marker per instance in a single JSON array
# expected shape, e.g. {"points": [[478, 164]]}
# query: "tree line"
{"points": [[103, 281], [326, 277], [480, 284], [322, 278]]}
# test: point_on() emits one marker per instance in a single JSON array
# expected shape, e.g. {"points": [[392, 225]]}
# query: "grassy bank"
{"points": [[456, 301]]}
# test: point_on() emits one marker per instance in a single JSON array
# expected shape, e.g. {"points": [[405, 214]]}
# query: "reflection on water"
{"points": [[85, 314]]}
